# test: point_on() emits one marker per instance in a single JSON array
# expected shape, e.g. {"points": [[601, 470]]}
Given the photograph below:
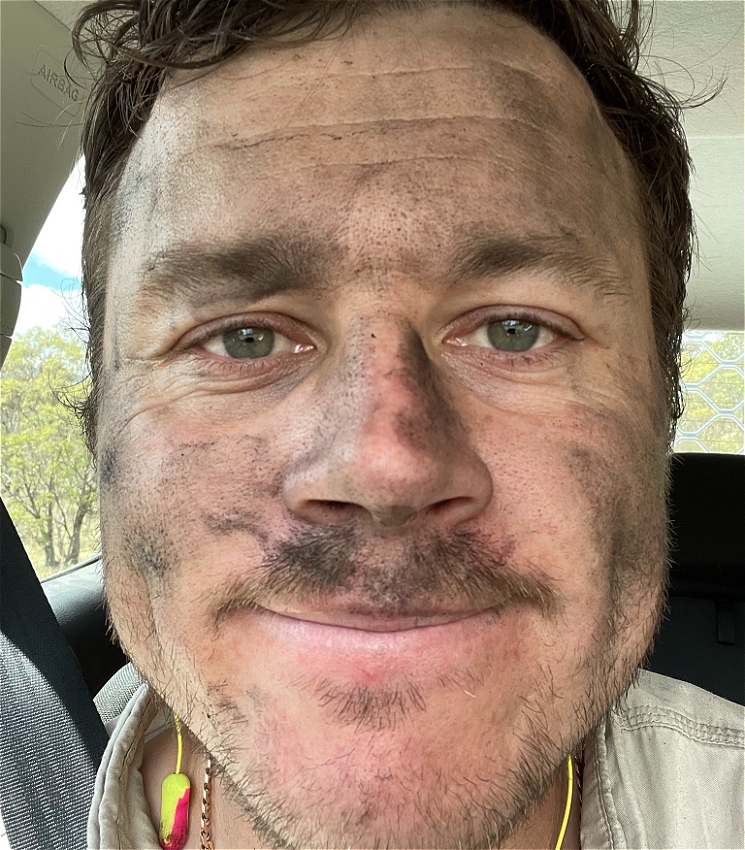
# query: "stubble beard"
{"points": [[445, 810]]}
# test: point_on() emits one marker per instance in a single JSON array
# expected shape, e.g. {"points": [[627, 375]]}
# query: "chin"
{"points": [[460, 761]]}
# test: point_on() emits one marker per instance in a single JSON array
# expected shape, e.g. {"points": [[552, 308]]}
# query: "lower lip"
{"points": [[322, 648]]}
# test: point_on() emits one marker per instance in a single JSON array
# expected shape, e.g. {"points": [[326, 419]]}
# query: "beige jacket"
{"points": [[665, 769]]}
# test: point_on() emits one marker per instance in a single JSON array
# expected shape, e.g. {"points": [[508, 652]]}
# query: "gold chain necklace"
{"points": [[206, 833]]}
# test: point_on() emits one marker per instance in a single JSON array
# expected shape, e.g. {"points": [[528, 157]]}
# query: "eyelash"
{"points": [[224, 365], [544, 354]]}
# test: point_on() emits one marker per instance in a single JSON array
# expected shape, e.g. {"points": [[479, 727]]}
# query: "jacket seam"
{"points": [[605, 797], [702, 732]]}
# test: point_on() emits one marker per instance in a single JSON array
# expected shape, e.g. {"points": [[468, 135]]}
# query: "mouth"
{"points": [[331, 638], [352, 642], [378, 621], [368, 648]]}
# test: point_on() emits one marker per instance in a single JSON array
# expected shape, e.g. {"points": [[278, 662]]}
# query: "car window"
{"points": [[714, 387], [48, 479]]}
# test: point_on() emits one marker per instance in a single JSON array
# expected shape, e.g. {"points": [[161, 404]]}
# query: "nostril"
{"points": [[336, 512], [328, 511], [332, 512], [446, 505]]}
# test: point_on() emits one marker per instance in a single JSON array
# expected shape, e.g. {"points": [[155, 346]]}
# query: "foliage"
{"points": [[48, 479]]}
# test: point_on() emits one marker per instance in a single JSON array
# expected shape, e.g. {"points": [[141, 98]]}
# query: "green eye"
{"points": [[246, 343], [513, 335]]}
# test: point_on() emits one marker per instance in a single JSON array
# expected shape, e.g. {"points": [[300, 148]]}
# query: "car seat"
{"points": [[702, 639]]}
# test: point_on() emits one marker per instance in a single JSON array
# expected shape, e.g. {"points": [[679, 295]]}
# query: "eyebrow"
{"points": [[252, 269], [483, 257]]}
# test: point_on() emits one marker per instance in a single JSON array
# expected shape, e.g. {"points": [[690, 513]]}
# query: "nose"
{"points": [[391, 449]]}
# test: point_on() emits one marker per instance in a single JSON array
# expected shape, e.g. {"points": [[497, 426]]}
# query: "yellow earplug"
{"points": [[175, 793]]}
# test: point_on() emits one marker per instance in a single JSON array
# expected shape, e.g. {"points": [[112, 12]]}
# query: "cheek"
{"points": [[583, 490], [177, 516], [197, 485]]}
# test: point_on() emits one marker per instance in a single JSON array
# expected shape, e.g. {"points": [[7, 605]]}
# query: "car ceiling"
{"points": [[694, 45]]}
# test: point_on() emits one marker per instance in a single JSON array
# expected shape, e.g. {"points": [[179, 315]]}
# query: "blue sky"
{"points": [[51, 276], [37, 272]]}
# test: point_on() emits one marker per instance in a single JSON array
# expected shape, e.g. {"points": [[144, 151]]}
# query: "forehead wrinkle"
{"points": [[371, 127], [486, 69], [468, 45], [356, 83], [297, 154], [506, 102]]}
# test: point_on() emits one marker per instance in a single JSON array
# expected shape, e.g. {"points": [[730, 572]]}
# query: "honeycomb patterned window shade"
{"points": [[714, 384]]}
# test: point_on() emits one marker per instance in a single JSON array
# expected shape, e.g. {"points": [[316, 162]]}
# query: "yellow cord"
{"points": [[568, 807], [179, 742]]}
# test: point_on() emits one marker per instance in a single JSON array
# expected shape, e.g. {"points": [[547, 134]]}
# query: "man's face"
{"points": [[382, 457]]}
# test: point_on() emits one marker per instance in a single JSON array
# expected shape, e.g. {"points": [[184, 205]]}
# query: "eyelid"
{"points": [[282, 325], [560, 325]]}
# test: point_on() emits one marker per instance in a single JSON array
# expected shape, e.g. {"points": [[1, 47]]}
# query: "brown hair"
{"points": [[134, 45]]}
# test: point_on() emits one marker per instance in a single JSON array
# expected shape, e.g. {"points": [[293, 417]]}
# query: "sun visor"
{"points": [[43, 89]]}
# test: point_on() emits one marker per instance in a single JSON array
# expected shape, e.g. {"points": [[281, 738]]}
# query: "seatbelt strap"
{"points": [[51, 737]]}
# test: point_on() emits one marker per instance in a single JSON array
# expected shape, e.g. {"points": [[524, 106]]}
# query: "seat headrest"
{"points": [[707, 511]]}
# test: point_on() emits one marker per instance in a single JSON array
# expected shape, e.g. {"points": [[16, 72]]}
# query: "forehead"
{"points": [[444, 116]]}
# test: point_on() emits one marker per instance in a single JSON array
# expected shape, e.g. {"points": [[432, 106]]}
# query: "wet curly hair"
{"points": [[133, 45]]}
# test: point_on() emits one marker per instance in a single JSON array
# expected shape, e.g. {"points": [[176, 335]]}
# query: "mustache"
{"points": [[461, 570]]}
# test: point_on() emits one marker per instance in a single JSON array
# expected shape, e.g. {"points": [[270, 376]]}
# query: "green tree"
{"points": [[48, 478]]}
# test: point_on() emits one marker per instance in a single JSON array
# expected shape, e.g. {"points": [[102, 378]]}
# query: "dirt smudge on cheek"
{"points": [[225, 486], [163, 505], [150, 548], [135, 557], [134, 523], [625, 491], [176, 502], [108, 467]]}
